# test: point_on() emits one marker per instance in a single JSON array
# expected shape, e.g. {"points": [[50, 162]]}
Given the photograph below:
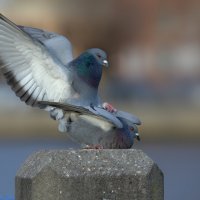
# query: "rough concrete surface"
{"points": [[89, 175]]}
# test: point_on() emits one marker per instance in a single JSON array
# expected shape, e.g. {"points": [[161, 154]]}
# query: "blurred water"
{"points": [[180, 164]]}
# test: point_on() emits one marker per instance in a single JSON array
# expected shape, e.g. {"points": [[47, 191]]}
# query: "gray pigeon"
{"points": [[95, 127], [40, 68]]}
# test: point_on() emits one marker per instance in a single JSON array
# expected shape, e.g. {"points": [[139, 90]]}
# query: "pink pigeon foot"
{"points": [[109, 107]]}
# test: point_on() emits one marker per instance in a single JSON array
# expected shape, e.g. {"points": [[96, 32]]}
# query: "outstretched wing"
{"points": [[32, 65], [95, 112], [58, 45]]}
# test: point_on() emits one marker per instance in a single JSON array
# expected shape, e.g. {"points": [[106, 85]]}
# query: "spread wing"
{"points": [[95, 112], [58, 45], [32, 64]]}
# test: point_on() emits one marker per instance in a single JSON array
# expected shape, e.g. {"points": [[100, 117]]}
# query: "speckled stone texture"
{"points": [[89, 175]]}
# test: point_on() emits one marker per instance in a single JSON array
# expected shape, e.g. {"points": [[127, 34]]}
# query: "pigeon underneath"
{"points": [[96, 128]]}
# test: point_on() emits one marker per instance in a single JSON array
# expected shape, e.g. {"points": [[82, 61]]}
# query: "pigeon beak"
{"points": [[138, 136], [105, 63]]}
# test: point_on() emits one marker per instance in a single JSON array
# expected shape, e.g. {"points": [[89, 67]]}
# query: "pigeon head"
{"points": [[100, 56], [134, 131], [89, 66], [126, 135]]}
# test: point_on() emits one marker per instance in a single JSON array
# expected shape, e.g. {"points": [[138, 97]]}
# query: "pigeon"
{"points": [[96, 128], [40, 68]]}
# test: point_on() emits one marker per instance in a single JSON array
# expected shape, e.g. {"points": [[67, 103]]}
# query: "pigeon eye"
{"points": [[131, 128], [99, 56]]}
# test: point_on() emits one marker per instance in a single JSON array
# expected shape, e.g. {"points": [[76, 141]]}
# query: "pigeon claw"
{"points": [[109, 107]]}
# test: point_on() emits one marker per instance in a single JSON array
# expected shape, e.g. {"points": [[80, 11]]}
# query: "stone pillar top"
{"points": [[89, 174], [88, 162]]}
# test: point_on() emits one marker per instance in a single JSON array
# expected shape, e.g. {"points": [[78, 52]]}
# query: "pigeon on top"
{"points": [[40, 68]]}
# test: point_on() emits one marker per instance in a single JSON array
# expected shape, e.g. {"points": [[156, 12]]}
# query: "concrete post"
{"points": [[89, 175]]}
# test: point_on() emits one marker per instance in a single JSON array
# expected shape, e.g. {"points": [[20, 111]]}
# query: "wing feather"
{"points": [[128, 117], [98, 113], [56, 44], [30, 69]]}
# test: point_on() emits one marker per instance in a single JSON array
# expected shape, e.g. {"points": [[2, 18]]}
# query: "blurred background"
{"points": [[153, 48]]}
